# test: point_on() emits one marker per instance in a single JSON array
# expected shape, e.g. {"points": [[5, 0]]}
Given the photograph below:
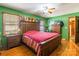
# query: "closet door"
{"points": [[77, 30]]}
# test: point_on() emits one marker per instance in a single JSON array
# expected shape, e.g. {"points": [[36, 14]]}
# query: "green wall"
{"points": [[63, 18], [12, 11]]}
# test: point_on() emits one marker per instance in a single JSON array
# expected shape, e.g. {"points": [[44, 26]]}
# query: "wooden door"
{"points": [[72, 28]]}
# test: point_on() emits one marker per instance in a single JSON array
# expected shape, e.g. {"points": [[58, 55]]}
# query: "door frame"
{"points": [[68, 26]]}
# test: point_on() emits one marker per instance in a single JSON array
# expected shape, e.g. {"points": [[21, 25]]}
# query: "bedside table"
{"points": [[13, 40]]}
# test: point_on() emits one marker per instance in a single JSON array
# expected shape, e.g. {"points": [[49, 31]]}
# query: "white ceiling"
{"points": [[37, 8]]}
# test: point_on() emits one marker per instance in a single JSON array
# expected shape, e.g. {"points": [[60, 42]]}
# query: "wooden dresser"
{"points": [[56, 28]]}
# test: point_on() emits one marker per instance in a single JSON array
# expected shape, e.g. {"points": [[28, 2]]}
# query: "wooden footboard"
{"points": [[48, 47], [45, 49]]}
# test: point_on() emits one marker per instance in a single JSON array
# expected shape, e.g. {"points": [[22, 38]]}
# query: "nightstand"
{"points": [[13, 40]]}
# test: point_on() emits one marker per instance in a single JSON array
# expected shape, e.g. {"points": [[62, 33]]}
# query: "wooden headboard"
{"points": [[27, 26]]}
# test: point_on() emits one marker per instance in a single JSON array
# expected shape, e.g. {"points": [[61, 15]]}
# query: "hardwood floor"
{"points": [[67, 48]]}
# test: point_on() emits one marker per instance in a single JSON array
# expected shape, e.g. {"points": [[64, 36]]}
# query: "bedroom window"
{"points": [[42, 26], [10, 24]]}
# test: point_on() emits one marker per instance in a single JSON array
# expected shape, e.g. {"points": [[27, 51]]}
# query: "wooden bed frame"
{"points": [[47, 47]]}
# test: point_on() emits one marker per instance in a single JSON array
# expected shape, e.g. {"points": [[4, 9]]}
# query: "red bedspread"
{"points": [[40, 36]]}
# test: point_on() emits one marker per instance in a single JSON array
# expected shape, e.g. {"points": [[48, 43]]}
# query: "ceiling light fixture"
{"points": [[51, 10], [48, 10]]}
